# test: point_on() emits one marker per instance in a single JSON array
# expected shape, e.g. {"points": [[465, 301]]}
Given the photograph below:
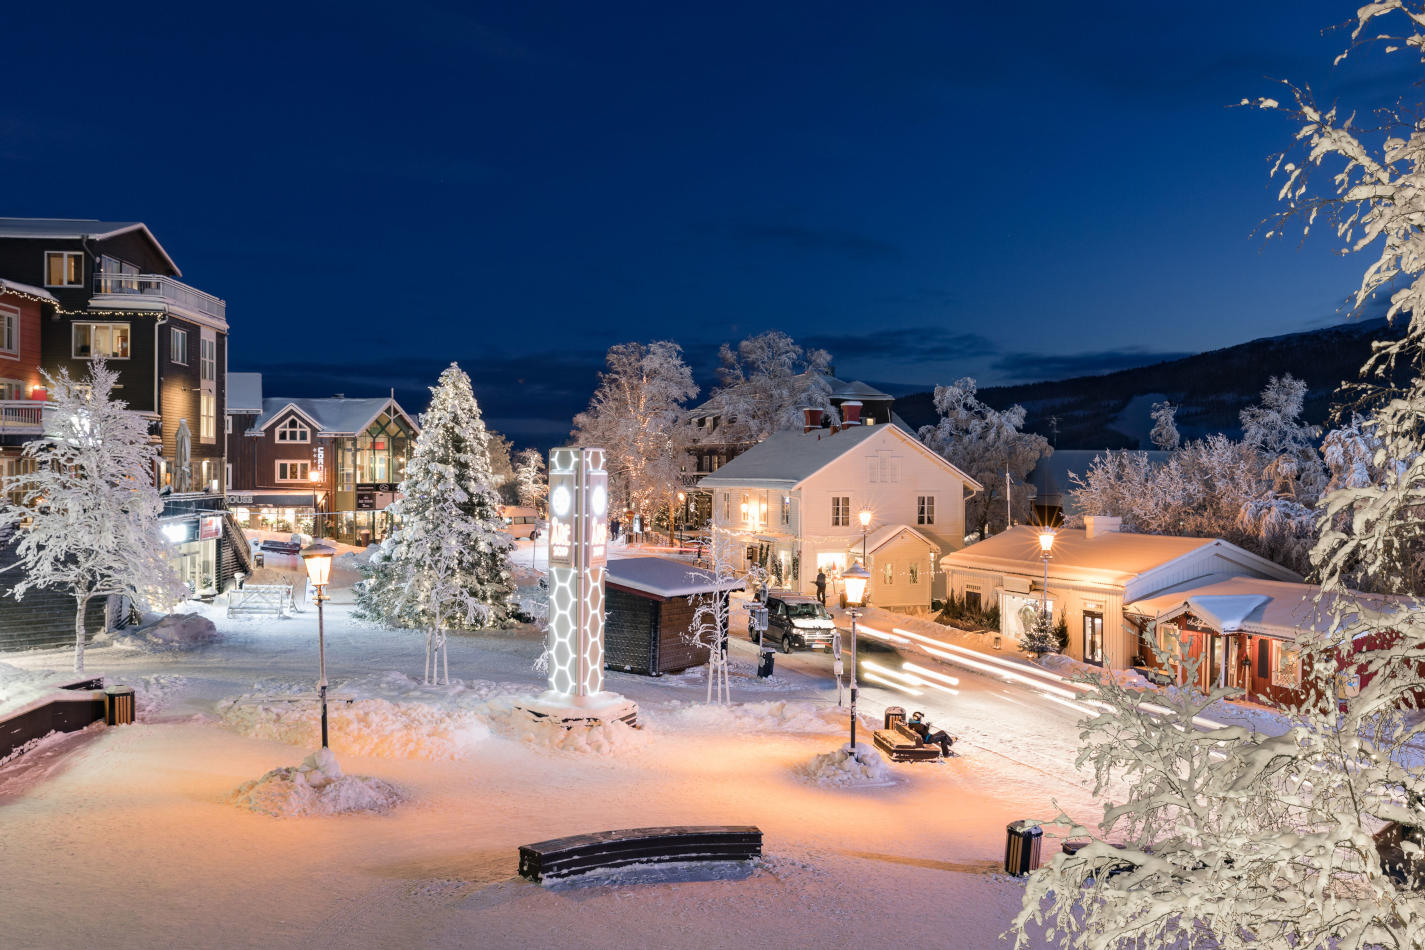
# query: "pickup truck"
{"points": [[795, 620]]}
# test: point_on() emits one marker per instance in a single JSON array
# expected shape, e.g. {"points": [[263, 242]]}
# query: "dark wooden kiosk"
{"points": [[650, 602]]}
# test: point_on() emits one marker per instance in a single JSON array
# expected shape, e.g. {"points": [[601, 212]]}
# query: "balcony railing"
{"points": [[21, 415], [161, 288]]}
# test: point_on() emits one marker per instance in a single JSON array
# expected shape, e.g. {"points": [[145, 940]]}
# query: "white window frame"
{"points": [[914, 572], [208, 417], [841, 511], [786, 510], [294, 426], [67, 255], [92, 324], [925, 509], [9, 331], [178, 346], [227, 423], [304, 468], [208, 356]]}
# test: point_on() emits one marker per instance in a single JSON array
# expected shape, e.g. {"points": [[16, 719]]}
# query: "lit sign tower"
{"points": [[578, 551]]}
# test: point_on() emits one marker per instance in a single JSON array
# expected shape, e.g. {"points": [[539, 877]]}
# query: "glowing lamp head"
{"points": [[314, 476], [855, 578], [318, 560], [682, 498], [1046, 541], [865, 517]]}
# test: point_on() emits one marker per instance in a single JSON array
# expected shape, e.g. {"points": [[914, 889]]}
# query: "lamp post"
{"points": [[318, 560], [1046, 551], [315, 477], [865, 517], [855, 578]]}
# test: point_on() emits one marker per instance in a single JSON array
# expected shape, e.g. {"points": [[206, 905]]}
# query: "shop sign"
{"points": [[239, 499], [210, 527], [377, 486]]}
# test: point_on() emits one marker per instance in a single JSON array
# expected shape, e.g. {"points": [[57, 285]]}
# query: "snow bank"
{"points": [[656, 872], [379, 727], [175, 631], [606, 738], [839, 769], [784, 716], [1068, 666], [316, 787]]}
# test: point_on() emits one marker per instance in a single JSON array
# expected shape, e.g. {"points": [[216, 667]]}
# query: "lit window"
{"points": [[10, 331], [914, 573], [1288, 672], [178, 346], [293, 431], [293, 471], [786, 510], [840, 511], [888, 574], [925, 510], [208, 417], [64, 269], [101, 341]]}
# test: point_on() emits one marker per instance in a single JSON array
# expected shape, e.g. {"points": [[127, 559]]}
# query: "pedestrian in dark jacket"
{"points": [[920, 727], [821, 586]]}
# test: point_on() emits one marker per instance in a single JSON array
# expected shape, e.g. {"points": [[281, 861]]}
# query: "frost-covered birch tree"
{"points": [[87, 517], [712, 621], [638, 416], [531, 480], [1165, 427], [985, 443], [446, 564], [767, 380]]}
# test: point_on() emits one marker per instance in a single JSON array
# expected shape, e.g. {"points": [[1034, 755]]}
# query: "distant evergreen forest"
{"points": [[1111, 411]]}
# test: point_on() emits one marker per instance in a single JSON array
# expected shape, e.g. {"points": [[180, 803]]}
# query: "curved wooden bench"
{"points": [[576, 854]]}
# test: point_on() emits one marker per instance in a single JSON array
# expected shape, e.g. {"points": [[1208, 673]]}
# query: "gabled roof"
{"points": [[336, 415], [665, 577], [786, 459], [1255, 605], [885, 535], [76, 228], [245, 392]]}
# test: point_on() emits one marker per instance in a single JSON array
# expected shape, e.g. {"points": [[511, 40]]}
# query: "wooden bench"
{"points": [[901, 743], [577, 854]]}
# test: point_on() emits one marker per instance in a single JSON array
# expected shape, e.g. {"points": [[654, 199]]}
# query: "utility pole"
{"points": [[1008, 518]]}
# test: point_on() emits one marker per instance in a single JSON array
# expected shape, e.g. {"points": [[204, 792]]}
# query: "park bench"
{"points": [[578, 854], [901, 743], [250, 599]]}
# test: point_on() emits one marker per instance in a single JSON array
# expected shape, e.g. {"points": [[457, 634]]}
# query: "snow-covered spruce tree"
{"points": [[531, 480], [637, 416], [1165, 427], [446, 564], [87, 518], [766, 383], [985, 443], [1040, 638]]}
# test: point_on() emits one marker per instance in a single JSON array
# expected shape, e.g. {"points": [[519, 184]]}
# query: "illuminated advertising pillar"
{"points": [[578, 551]]}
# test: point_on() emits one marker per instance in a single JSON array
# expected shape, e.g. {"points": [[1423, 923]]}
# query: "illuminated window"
{"points": [[101, 341], [293, 431], [925, 509], [914, 573], [840, 511], [293, 471], [1288, 668], [10, 331], [786, 510], [888, 574], [178, 346], [64, 269], [208, 417]]}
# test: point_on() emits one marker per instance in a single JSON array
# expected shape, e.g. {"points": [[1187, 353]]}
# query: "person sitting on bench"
{"points": [[920, 727]]}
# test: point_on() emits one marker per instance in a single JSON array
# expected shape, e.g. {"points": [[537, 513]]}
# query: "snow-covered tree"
{"points": [[87, 517], [531, 480], [1165, 427], [502, 467], [446, 564], [637, 416], [766, 383], [712, 622], [985, 443], [1040, 638]]}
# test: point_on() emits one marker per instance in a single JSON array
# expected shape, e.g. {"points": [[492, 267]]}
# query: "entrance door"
{"points": [[1093, 638]]}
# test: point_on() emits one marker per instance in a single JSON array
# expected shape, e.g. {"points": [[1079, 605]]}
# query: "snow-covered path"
{"points": [[133, 826]]}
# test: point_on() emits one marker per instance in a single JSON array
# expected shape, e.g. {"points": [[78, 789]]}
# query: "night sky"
{"points": [[1013, 192]]}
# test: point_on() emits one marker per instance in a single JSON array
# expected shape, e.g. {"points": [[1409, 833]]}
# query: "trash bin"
{"points": [[894, 714], [258, 559], [764, 668], [118, 705], [1021, 847]]}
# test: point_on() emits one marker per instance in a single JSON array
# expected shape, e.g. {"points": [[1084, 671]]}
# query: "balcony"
{"points": [[153, 292], [22, 416]]}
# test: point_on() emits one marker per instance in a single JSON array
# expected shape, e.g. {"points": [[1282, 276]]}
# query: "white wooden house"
{"points": [[793, 503]]}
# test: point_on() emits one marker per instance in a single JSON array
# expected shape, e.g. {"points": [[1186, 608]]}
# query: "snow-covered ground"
{"points": [[151, 835]]}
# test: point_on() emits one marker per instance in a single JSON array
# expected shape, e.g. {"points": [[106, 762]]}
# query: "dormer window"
{"points": [[293, 431]]}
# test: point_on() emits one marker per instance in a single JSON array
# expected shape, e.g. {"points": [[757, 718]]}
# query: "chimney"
{"points": [[1095, 525], [813, 419], [851, 413]]}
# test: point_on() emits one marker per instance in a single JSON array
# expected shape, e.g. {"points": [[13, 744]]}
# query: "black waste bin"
{"points": [[1021, 847], [258, 559], [764, 669], [118, 705], [894, 714]]}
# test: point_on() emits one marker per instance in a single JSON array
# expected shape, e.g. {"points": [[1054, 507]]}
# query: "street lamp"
{"points": [[318, 560], [855, 578], [1046, 551], [865, 517], [315, 477]]}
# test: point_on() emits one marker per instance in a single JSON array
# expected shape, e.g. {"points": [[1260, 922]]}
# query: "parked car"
{"points": [[281, 547], [795, 620]]}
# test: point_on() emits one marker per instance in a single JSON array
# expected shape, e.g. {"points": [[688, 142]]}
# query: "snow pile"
{"points": [[604, 738], [1068, 666], [183, 630], [656, 872], [840, 769], [379, 727], [316, 787], [783, 716]]}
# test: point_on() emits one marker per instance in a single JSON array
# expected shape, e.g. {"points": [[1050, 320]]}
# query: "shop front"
{"points": [[193, 551]]}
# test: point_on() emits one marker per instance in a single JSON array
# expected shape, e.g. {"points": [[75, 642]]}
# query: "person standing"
{"points": [[821, 586]]}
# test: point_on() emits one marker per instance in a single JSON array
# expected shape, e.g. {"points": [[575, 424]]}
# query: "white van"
{"points": [[521, 522]]}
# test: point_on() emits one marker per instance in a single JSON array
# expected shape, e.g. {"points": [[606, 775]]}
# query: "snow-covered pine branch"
{"points": [[87, 517]]}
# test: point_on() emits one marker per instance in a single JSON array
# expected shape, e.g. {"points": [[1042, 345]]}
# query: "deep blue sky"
{"points": [[928, 190]]}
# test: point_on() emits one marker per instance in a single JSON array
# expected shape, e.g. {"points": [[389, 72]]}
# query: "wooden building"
{"points": [[649, 603]]}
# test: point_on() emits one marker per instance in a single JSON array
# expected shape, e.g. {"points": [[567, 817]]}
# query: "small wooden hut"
{"points": [[649, 604]]}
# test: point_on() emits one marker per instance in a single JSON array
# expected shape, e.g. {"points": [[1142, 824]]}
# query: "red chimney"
{"points": [[813, 420], [851, 413]]}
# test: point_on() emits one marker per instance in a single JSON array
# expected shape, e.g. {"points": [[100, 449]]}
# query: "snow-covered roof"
{"points": [[244, 392], [885, 535], [665, 577], [27, 289], [1243, 604], [856, 389], [785, 459], [76, 228], [336, 414], [1112, 557]]}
